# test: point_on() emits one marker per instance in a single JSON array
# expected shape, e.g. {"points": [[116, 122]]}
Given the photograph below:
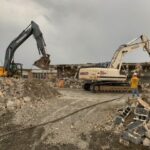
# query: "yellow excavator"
{"points": [[111, 79], [3, 72], [11, 68]]}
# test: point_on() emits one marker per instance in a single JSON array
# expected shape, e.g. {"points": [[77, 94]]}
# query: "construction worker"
{"points": [[134, 85]]}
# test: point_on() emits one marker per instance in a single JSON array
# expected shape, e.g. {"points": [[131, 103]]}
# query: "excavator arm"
{"points": [[116, 61], [32, 29]]}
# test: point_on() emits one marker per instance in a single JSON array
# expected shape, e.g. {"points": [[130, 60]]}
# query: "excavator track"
{"points": [[107, 87], [115, 89]]}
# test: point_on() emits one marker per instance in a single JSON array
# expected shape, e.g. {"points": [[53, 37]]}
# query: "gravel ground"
{"points": [[85, 130]]}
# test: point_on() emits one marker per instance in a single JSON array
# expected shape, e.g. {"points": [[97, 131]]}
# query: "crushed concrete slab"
{"points": [[126, 111], [141, 131], [134, 125], [134, 138], [141, 113]]}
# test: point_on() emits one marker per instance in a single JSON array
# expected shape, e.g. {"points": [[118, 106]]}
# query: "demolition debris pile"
{"points": [[69, 83], [134, 123], [73, 83], [39, 89], [15, 92]]}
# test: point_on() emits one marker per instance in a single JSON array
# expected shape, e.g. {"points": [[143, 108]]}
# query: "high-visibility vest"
{"points": [[134, 82]]}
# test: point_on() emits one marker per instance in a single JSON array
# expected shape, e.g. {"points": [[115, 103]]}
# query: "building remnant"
{"points": [[71, 70]]}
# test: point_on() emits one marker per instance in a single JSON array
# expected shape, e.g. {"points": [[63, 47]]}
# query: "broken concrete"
{"points": [[131, 137], [72, 83], [94, 124], [137, 127], [133, 125], [15, 93]]}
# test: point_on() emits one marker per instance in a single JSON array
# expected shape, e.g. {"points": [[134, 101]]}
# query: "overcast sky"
{"points": [[75, 31]]}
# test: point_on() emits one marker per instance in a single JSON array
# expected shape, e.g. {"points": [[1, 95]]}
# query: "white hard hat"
{"points": [[135, 74]]}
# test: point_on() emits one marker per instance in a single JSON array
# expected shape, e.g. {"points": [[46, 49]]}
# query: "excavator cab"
{"points": [[15, 70], [43, 62]]}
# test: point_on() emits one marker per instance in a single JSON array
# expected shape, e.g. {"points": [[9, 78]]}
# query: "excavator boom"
{"points": [[116, 61]]}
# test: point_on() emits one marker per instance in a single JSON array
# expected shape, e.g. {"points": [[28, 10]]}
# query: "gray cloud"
{"points": [[75, 31]]}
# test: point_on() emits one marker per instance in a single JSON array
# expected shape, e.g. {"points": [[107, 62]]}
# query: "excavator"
{"points": [[11, 68], [111, 79]]}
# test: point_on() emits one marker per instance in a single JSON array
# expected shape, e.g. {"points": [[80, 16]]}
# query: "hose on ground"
{"points": [[61, 118]]}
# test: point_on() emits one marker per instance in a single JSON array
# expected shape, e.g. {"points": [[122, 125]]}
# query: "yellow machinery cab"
{"points": [[3, 72]]}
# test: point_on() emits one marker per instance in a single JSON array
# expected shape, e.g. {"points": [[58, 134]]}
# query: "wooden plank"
{"points": [[144, 104]]}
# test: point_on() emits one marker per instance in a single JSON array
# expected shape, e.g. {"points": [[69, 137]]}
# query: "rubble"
{"points": [[38, 89], [14, 93], [136, 130], [146, 142], [95, 123], [27, 99], [132, 137], [72, 83]]}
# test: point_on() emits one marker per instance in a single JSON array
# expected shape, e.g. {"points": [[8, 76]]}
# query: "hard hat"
{"points": [[135, 74]]}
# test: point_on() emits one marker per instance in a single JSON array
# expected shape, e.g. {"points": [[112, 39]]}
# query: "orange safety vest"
{"points": [[134, 82]]}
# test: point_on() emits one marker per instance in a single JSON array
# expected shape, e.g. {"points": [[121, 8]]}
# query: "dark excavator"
{"points": [[11, 68]]}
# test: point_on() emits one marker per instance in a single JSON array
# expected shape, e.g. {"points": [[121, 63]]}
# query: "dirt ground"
{"points": [[89, 129]]}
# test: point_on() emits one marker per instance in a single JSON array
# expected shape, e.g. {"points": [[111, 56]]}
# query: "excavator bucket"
{"points": [[43, 62]]}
